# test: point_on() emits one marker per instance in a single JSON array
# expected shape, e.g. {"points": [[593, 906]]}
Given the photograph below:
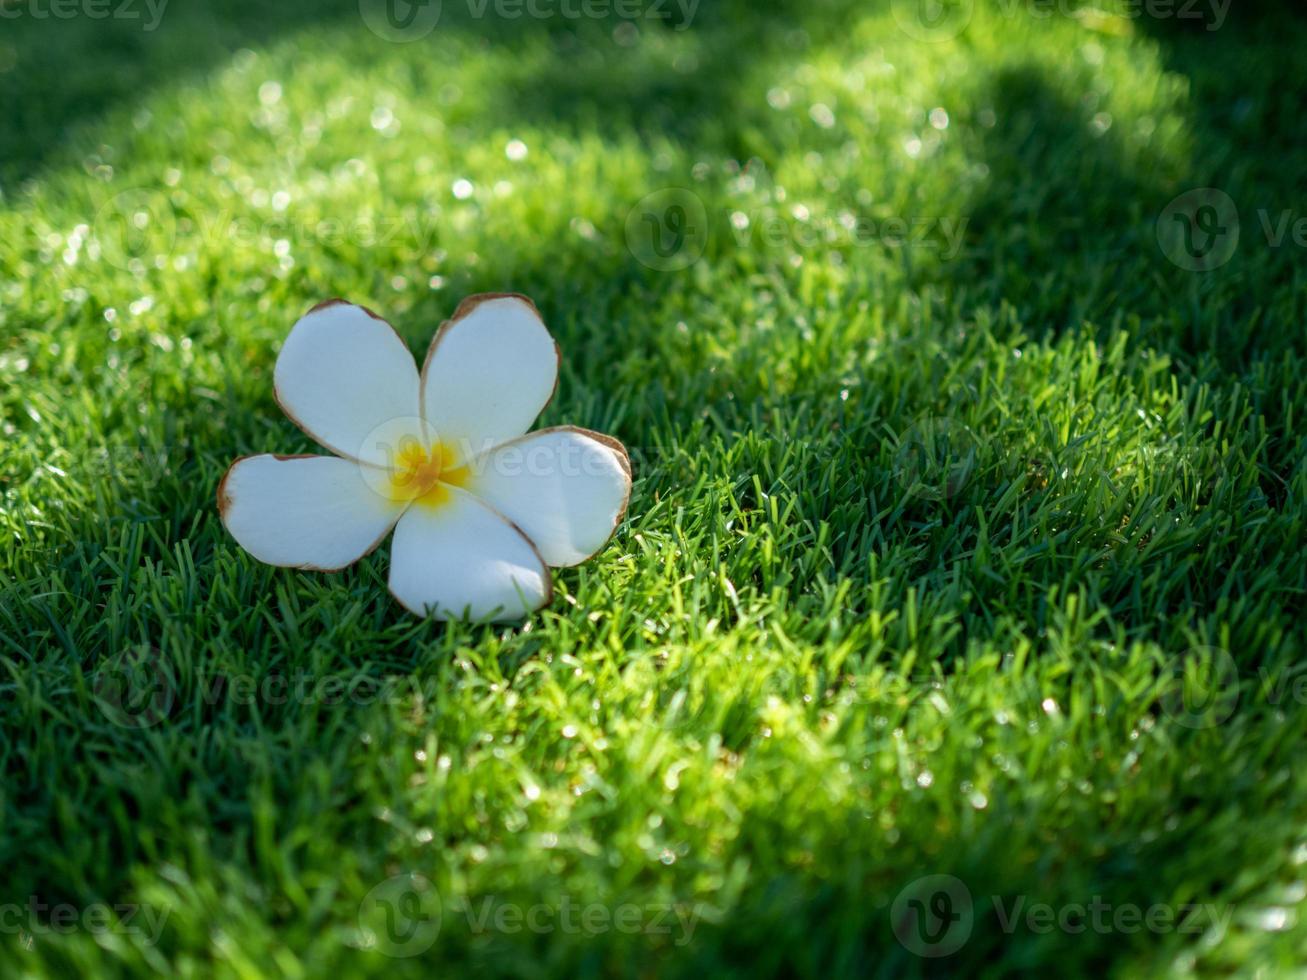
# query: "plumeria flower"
{"points": [[479, 506]]}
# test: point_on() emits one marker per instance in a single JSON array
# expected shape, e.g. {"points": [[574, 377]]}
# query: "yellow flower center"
{"points": [[424, 474]]}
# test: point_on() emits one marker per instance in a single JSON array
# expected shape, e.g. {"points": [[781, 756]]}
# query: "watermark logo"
{"points": [[1199, 230], [134, 226], [400, 917], [1202, 688], [400, 21], [932, 20], [936, 458], [668, 229], [933, 916], [136, 689]]}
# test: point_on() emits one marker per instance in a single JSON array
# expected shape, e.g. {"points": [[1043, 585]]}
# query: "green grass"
{"points": [[923, 547]]}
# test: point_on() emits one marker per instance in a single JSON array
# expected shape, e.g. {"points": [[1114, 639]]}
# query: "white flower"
{"points": [[479, 507]]}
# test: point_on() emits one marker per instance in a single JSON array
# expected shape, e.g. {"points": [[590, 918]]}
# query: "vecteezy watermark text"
{"points": [[571, 917], [943, 20], [935, 915], [682, 11], [412, 20], [403, 915], [150, 11], [37, 918], [138, 226], [807, 230], [670, 229]]}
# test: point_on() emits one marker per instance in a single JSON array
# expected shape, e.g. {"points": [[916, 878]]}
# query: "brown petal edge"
{"points": [[465, 309], [285, 409], [607, 441], [623, 458], [225, 503], [548, 576]]}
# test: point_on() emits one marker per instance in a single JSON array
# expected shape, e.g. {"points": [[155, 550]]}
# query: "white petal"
{"points": [[490, 371], [343, 373], [304, 511], [460, 557], [566, 488]]}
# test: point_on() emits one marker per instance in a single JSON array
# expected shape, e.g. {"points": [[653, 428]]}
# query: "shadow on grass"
{"points": [[59, 73], [1085, 240], [1087, 218]]}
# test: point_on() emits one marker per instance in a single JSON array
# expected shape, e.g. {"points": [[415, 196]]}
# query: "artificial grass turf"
{"points": [[924, 545]]}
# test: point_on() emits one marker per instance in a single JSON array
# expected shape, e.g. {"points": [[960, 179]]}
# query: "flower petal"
{"points": [[304, 511], [460, 557], [490, 371], [566, 488], [343, 373]]}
